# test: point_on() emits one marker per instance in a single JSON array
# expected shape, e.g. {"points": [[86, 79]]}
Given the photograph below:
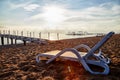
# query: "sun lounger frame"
{"points": [[101, 60]]}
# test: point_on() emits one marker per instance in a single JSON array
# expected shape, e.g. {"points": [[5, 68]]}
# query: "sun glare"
{"points": [[53, 14]]}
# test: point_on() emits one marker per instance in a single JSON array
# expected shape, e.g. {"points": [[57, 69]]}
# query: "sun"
{"points": [[53, 14]]}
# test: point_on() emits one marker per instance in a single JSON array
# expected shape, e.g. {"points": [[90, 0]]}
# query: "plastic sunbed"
{"points": [[84, 58]]}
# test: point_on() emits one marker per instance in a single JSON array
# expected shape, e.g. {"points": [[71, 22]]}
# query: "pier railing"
{"points": [[44, 35]]}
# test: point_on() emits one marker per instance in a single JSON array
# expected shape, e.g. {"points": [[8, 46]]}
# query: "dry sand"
{"points": [[17, 62]]}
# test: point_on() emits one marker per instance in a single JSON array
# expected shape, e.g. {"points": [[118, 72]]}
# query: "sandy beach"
{"points": [[17, 62]]}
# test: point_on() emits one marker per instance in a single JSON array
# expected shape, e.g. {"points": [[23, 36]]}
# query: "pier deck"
{"points": [[22, 38]]}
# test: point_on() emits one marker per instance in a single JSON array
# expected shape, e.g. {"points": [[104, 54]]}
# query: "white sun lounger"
{"points": [[83, 57]]}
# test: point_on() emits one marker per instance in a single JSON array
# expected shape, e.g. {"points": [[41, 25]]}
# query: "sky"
{"points": [[73, 15]]}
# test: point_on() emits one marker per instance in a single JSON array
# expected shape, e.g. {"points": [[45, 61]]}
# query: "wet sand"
{"points": [[17, 62]]}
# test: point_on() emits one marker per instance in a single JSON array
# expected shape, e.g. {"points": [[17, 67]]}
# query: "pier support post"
{"points": [[48, 35], [33, 34], [9, 32], [15, 41], [3, 31], [7, 40], [27, 33], [11, 41], [40, 35], [24, 42], [2, 40], [21, 33], [17, 32], [58, 36], [30, 34]]}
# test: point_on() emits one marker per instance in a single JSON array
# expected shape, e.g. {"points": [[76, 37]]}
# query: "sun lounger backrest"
{"points": [[99, 44]]}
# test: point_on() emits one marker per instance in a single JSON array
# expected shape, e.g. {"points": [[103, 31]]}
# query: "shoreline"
{"points": [[18, 61]]}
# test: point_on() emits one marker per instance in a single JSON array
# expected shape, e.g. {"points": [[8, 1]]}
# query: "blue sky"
{"points": [[86, 15]]}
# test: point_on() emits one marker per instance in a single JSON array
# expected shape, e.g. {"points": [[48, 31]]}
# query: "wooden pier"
{"points": [[22, 38]]}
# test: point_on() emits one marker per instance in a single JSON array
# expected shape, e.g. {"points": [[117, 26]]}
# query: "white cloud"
{"points": [[99, 13], [94, 19], [94, 13], [50, 11], [31, 7], [116, 9], [16, 6], [36, 17], [28, 6]]}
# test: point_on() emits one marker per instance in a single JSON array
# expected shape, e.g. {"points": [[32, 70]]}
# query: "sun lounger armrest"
{"points": [[82, 46]]}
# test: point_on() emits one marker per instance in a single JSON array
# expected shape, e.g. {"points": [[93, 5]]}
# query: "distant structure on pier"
{"points": [[77, 33]]}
